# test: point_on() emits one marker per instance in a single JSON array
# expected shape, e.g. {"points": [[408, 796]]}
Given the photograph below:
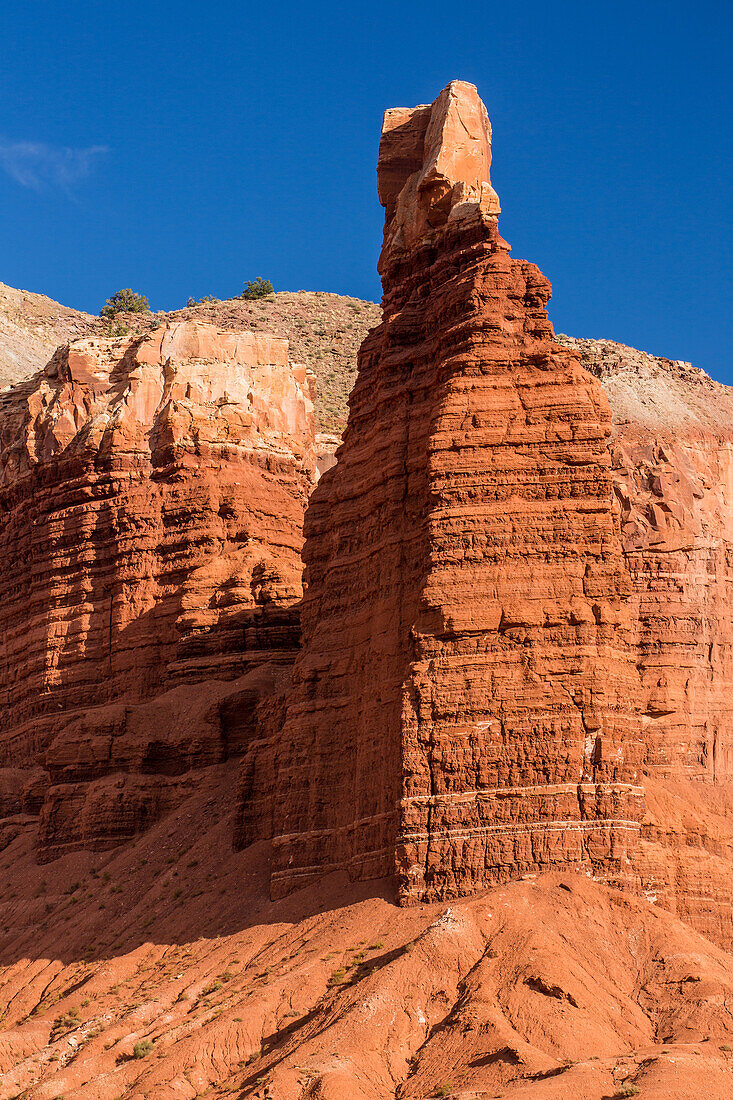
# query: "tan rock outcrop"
{"points": [[434, 164]]}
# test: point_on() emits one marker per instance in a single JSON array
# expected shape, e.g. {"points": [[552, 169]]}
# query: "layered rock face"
{"points": [[671, 453], [671, 456], [465, 708], [151, 493]]}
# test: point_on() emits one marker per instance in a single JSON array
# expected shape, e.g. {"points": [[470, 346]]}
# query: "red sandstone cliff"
{"points": [[671, 453], [465, 707], [516, 631], [152, 493]]}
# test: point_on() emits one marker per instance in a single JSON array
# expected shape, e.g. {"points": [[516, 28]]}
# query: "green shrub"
{"points": [[212, 988], [66, 1022], [125, 301], [628, 1090], [142, 1049], [257, 288]]}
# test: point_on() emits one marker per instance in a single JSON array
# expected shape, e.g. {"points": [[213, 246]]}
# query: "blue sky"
{"points": [[183, 148]]}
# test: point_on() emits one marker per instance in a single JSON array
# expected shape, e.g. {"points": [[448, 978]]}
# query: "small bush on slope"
{"points": [[125, 301], [257, 288]]}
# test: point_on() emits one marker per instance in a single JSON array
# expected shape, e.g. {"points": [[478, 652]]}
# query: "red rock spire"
{"points": [[464, 709], [434, 165]]}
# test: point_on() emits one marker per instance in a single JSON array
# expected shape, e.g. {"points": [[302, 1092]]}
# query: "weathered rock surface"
{"points": [[517, 641], [672, 449], [465, 708], [152, 494]]}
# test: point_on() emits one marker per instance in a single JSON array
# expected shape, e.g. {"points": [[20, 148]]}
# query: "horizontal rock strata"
{"points": [[517, 644], [151, 500], [465, 708], [671, 451]]}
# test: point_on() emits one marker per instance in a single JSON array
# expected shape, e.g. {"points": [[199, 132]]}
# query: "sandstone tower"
{"points": [[465, 707]]}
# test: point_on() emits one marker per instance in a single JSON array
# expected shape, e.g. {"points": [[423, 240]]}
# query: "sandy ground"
{"points": [[546, 988]]}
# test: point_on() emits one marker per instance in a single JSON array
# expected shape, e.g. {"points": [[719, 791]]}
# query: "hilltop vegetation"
{"points": [[324, 330]]}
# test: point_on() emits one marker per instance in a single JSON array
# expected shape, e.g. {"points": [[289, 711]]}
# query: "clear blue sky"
{"points": [[182, 148]]}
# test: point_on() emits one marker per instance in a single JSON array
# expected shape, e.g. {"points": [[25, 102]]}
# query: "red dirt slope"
{"points": [[550, 987]]}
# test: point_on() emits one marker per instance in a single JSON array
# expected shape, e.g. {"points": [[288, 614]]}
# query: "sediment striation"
{"points": [[465, 707], [151, 492], [671, 452], [516, 644], [516, 657], [516, 629]]}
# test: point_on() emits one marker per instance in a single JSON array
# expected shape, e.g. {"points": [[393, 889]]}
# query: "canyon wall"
{"points": [[151, 500]]}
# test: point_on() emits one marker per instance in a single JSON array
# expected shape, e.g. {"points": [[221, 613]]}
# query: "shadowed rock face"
{"points": [[152, 494], [465, 708]]}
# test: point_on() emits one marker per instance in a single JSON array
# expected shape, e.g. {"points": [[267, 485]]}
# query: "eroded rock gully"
{"points": [[152, 494]]}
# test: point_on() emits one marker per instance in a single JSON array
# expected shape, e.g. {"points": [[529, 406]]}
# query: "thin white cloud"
{"points": [[37, 165]]}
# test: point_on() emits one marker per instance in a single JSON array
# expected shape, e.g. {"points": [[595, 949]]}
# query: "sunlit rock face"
{"points": [[671, 452], [152, 493], [466, 705]]}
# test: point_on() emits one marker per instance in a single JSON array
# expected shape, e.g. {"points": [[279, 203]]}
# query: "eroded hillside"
{"points": [[161, 969], [324, 332]]}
